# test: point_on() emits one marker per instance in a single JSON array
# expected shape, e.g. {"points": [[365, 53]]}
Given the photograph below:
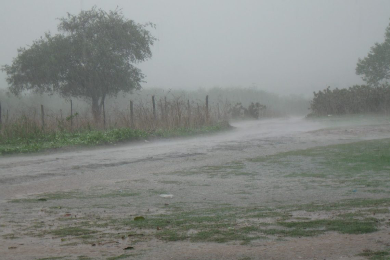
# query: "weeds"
{"points": [[40, 140], [123, 256], [223, 224], [173, 117], [72, 231], [361, 165], [375, 255]]}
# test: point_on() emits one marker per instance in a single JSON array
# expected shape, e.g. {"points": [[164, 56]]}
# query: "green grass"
{"points": [[52, 258], [66, 257], [38, 140], [224, 171], [222, 224], [10, 236], [375, 255], [347, 204], [123, 256], [344, 226], [360, 165], [76, 195], [73, 231], [42, 140]]}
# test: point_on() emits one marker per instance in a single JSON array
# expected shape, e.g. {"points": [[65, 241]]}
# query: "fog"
{"points": [[285, 47], [181, 169]]}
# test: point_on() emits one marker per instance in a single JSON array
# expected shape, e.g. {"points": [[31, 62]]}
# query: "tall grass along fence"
{"points": [[154, 115]]}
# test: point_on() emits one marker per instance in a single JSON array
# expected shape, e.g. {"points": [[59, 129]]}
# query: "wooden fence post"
{"points": [[207, 108], [104, 116], [0, 114], [189, 112], [162, 110], [165, 109], [178, 112], [71, 115], [6, 118], [131, 114], [219, 115], [154, 108], [43, 117]]}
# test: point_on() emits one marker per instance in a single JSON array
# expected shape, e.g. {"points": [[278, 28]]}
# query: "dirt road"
{"points": [[192, 173], [62, 170]]}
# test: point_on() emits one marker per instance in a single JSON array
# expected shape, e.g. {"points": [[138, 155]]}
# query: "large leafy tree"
{"points": [[375, 68], [91, 57]]}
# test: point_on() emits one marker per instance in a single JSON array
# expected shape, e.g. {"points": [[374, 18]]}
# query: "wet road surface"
{"points": [[22, 175]]}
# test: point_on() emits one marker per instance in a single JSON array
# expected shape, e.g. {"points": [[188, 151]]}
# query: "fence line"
{"points": [[166, 114]]}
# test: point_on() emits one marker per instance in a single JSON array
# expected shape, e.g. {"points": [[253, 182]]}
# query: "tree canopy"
{"points": [[375, 68], [91, 57]]}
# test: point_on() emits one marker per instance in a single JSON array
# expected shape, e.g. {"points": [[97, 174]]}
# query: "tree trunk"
{"points": [[96, 109]]}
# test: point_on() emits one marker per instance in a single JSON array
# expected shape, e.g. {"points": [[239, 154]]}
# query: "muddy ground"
{"points": [[232, 195]]}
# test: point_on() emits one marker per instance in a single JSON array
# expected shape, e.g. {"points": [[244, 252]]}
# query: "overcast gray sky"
{"points": [[295, 46]]}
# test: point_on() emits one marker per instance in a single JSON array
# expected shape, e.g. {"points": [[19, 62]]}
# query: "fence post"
{"points": [[71, 115], [104, 116], [43, 117], [165, 109], [0, 114], [207, 108], [189, 112], [154, 107], [131, 114], [6, 118], [162, 110], [219, 115]]}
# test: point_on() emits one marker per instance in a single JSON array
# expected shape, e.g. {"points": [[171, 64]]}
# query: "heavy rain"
{"points": [[202, 129]]}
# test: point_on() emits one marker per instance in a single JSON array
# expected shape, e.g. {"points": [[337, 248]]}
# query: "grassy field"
{"points": [[339, 188]]}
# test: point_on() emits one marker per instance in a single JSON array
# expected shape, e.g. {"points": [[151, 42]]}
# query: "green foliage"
{"points": [[360, 166], [72, 231], [90, 58], [346, 226], [375, 68], [19, 140], [375, 255], [122, 256], [354, 100]]}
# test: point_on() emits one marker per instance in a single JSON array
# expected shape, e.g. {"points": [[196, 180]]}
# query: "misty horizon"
{"points": [[281, 47]]}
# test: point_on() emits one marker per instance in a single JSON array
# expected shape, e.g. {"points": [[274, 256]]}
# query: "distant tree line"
{"points": [[354, 100], [371, 98]]}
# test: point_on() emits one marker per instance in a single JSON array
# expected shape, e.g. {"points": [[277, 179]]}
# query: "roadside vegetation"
{"points": [[359, 99], [41, 140], [31, 133], [174, 113], [374, 97]]}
